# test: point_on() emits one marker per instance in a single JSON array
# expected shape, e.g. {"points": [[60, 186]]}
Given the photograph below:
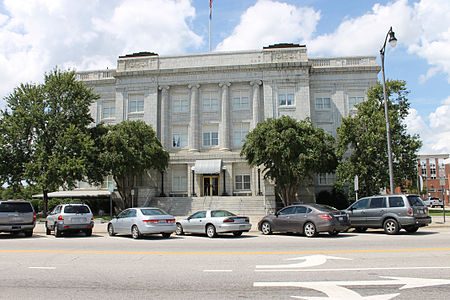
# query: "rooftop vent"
{"points": [[139, 54], [283, 45]]}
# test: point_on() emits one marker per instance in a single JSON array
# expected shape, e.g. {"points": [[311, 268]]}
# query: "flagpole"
{"points": [[210, 13]]}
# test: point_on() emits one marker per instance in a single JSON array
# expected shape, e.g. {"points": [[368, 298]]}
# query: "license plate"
{"points": [[341, 218], [77, 220], [242, 227], [16, 219]]}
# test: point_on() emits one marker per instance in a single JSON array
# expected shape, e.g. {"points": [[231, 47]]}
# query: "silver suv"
{"points": [[70, 218], [390, 212], [17, 216]]}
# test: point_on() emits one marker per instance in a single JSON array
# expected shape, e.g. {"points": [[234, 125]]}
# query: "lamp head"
{"points": [[392, 39]]}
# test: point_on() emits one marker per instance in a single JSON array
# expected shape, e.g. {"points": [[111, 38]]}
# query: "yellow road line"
{"points": [[224, 252]]}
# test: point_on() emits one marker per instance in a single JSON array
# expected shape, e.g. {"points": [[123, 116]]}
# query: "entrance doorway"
{"points": [[211, 185]]}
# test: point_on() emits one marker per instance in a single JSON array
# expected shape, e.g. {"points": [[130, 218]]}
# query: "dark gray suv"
{"points": [[17, 216], [390, 212]]}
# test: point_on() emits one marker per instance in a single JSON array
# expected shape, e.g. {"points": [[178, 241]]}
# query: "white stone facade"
{"points": [[202, 105]]}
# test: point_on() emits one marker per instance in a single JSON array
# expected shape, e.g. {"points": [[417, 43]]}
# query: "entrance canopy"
{"points": [[76, 194], [208, 166]]}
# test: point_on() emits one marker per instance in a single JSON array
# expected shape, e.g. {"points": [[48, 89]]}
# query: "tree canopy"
{"points": [[131, 147], [44, 133], [362, 142], [291, 152]]}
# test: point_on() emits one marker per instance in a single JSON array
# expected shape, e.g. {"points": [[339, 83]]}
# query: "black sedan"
{"points": [[308, 219]]}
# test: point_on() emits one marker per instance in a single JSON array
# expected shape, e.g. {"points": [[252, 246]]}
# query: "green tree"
{"points": [[362, 142], [291, 152], [131, 147], [45, 138]]}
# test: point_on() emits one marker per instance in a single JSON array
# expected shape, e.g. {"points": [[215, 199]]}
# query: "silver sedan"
{"points": [[141, 221], [213, 222]]}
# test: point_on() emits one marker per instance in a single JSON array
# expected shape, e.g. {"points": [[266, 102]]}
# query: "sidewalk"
{"points": [[101, 227]]}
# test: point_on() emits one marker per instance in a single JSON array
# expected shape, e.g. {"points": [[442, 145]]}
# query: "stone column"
{"points": [[194, 127], [164, 130], [224, 127], [256, 100]]}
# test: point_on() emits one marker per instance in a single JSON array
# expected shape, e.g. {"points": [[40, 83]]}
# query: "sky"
{"points": [[37, 35]]}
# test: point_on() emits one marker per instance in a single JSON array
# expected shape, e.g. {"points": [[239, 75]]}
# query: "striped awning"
{"points": [[208, 166]]}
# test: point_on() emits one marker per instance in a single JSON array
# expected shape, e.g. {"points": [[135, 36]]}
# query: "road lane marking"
{"points": [[353, 269], [43, 268], [223, 252], [309, 261], [218, 271]]}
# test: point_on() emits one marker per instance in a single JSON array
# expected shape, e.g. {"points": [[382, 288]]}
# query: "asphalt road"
{"points": [[371, 265]]}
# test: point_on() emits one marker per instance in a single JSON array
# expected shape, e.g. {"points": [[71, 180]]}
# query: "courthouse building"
{"points": [[203, 105]]}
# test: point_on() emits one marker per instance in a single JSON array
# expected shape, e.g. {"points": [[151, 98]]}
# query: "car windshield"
{"points": [[76, 209], [152, 211], [415, 201], [325, 208], [16, 207], [221, 213]]}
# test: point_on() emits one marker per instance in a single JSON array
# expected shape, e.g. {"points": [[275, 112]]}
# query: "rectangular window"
{"points": [[353, 101], [108, 110], [136, 104], [240, 100], [323, 103], [286, 97], [432, 169], [423, 167], [179, 140], [239, 133], [210, 102], [210, 139], [326, 178], [242, 182], [180, 105], [179, 183]]}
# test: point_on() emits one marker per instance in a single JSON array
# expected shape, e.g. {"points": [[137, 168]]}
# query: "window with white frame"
{"points": [[210, 101], [242, 182], [326, 178], [423, 168], [179, 181], [108, 110], [323, 103], [210, 137], [353, 101], [286, 97], [180, 104], [432, 168], [240, 131], [240, 100], [136, 104], [179, 140]]}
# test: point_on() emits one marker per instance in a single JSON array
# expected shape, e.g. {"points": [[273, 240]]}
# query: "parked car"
{"points": [[308, 219], [17, 216], [213, 222], [433, 202], [70, 217], [390, 212], [141, 221]]}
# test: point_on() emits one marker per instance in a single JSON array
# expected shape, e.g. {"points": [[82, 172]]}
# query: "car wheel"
{"points": [[179, 230], [57, 231], [211, 231], [411, 229], [47, 230], [88, 232], [166, 235], [135, 233], [391, 226], [28, 233], [360, 229], [111, 230], [310, 229], [333, 233], [237, 233], [266, 228]]}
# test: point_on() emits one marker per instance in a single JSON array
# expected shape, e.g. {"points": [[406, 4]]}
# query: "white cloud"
{"points": [[37, 35], [269, 22]]}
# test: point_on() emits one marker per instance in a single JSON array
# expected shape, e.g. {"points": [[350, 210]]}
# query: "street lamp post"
{"points": [[393, 43]]}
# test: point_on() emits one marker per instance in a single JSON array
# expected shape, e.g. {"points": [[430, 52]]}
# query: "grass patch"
{"points": [[438, 212]]}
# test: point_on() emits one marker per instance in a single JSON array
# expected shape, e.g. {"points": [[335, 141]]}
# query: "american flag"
{"points": [[210, 8]]}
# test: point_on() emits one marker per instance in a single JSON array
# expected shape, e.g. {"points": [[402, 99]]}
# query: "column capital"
{"points": [[191, 86], [164, 87], [256, 82], [224, 84]]}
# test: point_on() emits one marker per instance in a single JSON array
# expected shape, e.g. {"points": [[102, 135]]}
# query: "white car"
{"points": [[212, 222], [433, 202], [139, 221]]}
